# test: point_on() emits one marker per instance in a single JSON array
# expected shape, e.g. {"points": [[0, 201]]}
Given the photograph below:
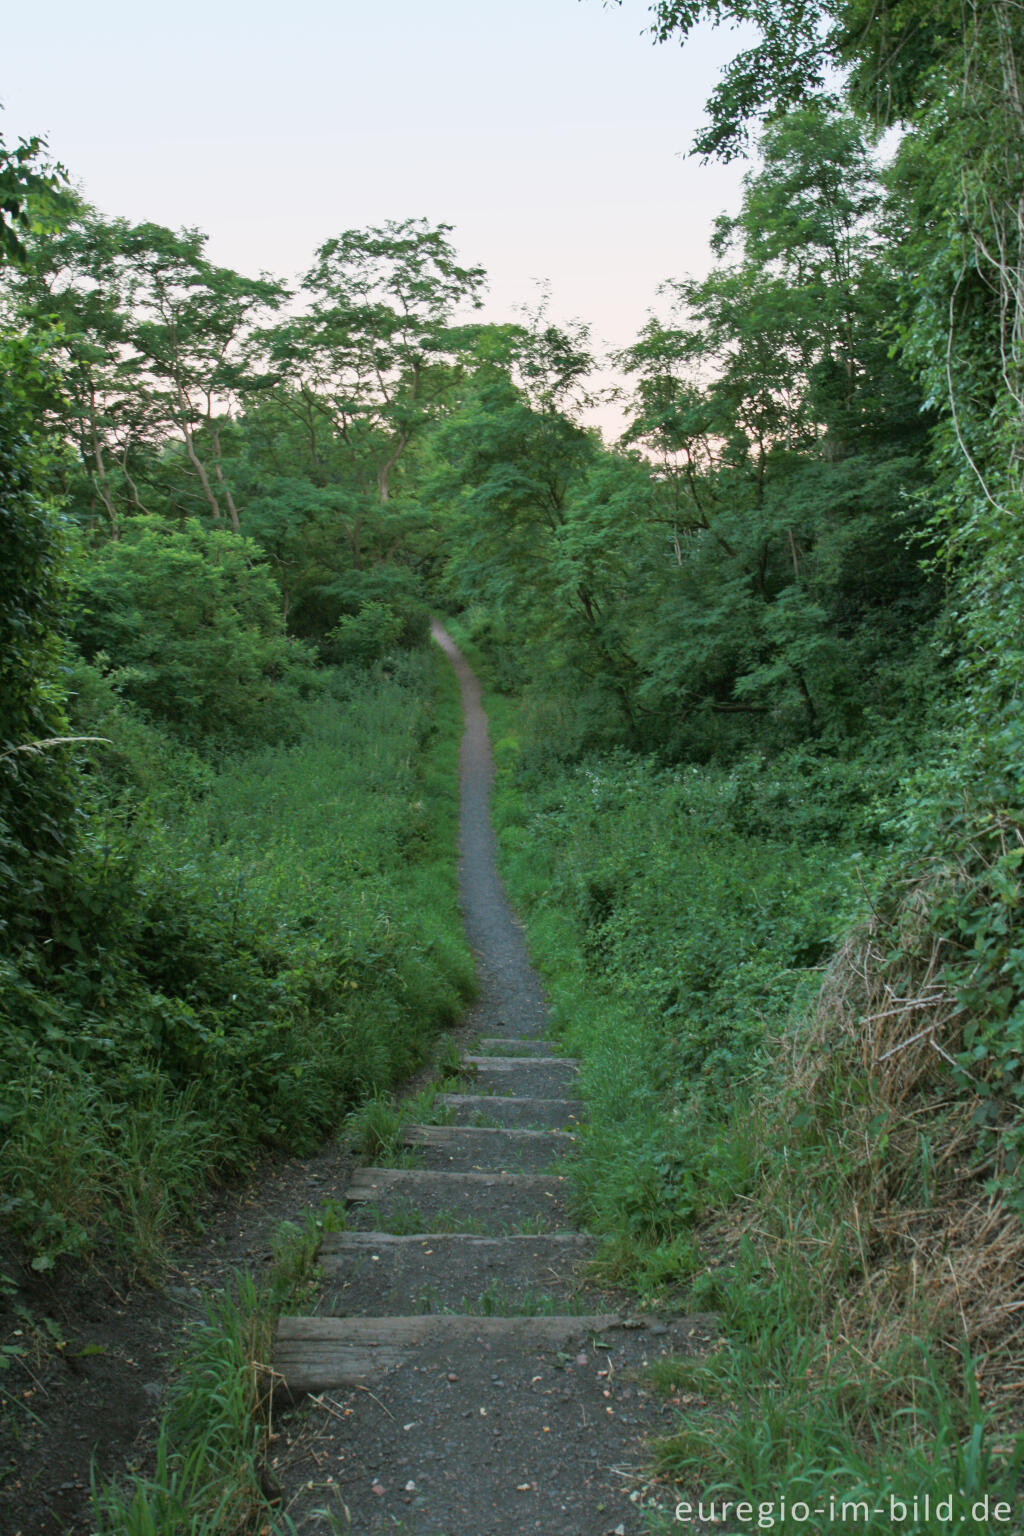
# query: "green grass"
{"points": [[208, 1473], [377, 1127], [276, 938], [674, 954], [736, 1158]]}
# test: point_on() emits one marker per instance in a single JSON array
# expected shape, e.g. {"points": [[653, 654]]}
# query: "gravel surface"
{"points": [[515, 1415]]}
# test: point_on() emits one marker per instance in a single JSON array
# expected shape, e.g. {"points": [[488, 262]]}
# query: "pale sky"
{"points": [[551, 133]]}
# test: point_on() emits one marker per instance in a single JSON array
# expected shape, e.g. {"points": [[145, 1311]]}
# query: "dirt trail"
{"points": [[462, 1377]]}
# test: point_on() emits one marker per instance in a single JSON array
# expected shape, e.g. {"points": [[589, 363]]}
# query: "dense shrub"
{"points": [[239, 956], [189, 621], [36, 815]]}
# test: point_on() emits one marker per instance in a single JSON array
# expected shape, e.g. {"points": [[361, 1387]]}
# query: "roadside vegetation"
{"points": [[747, 1152], [246, 949], [211, 1471], [755, 677]]}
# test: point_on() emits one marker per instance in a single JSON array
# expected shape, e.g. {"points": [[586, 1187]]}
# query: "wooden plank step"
{"points": [[538, 1113], [547, 1076], [495, 1433], [534, 1063], [485, 1202], [496, 1045], [318, 1354], [359, 1242], [375, 1273], [501, 1149]]}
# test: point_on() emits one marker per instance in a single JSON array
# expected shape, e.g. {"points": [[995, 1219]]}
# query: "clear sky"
{"points": [[550, 133]]}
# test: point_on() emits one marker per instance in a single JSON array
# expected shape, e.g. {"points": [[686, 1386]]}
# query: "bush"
{"points": [[187, 620], [36, 805], [364, 636], [240, 956]]}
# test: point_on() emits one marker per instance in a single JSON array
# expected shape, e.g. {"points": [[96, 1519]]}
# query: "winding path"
{"points": [[510, 994], [462, 1377]]}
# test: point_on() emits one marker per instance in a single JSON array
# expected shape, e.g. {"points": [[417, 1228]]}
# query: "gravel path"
{"points": [[511, 998], [463, 1377]]}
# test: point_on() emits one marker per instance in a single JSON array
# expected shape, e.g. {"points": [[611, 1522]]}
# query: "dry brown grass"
{"points": [[898, 1218]]}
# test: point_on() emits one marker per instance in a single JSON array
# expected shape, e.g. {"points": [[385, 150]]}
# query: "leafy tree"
{"points": [[190, 325], [155, 338], [376, 350], [786, 440], [33, 195], [188, 621]]}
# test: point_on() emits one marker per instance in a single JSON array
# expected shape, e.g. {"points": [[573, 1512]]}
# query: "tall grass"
{"points": [[208, 1477], [258, 945], [744, 1155]]}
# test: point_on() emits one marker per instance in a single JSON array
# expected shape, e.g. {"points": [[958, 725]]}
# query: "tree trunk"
{"points": [[384, 472], [101, 474], [200, 469], [232, 509]]}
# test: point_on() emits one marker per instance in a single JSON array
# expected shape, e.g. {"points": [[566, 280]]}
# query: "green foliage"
{"points": [[743, 1152], [377, 347], [241, 955], [785, 64], [36, 803], [210, 1475], [744, 571], [151, 333], [676, 947], [791, 1426], [365, 636], [188, 620], [967, 844], [33, 194]]}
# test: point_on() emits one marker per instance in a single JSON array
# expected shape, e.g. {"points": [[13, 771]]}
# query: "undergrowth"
{"points": [[802, 1117], [209, 1474], [248, 946]]}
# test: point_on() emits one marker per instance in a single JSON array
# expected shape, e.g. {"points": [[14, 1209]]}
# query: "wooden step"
{"points": [[479, 1427], [375, 1273], [538, 1113], [523, 1075], [485, 1202], [316, 1354], [495, 1045], [569, 1063], [461, 1149]]}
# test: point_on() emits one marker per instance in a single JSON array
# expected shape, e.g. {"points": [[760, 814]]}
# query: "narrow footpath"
{"points": [[462, 1378]]}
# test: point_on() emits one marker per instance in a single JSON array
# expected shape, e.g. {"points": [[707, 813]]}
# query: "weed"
{"points": [[209, 1454], [209, 1474], [263, 947], [375, 1128], [448, 1060], [533, 1226]]}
